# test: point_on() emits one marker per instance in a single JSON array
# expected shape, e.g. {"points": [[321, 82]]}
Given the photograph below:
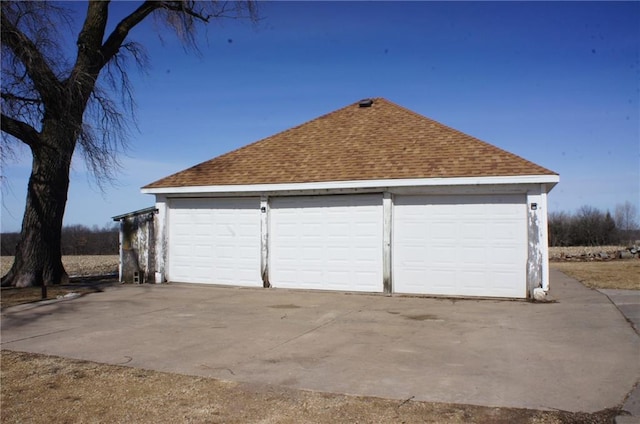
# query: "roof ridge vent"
{"points": [[365, 103]]}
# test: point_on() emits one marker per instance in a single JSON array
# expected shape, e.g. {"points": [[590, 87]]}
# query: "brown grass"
{"points": [[617, 274], [48, 389]]}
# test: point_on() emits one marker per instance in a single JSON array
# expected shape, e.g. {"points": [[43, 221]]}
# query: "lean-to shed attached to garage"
{"points": [[137, 246], [372, 197]]}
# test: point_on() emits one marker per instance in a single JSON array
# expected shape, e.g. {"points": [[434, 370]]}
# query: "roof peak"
{"points": [[389, 141]]}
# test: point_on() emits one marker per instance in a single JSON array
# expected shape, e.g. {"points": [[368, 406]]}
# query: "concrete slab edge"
{"points": [[630, 321]]}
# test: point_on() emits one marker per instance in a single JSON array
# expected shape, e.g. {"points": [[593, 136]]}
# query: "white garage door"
{"points": [[215, 241], [326, 242], [460, 245]]}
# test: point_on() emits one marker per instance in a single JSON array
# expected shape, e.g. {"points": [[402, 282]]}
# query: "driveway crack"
{"points": [[311, 330], [36, 336]]}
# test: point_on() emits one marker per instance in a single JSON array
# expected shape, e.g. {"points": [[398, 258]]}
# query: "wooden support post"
{"points": [[387, 207], [161, 231], [264, 241]]}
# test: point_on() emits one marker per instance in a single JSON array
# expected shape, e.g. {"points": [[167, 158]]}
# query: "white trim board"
{"points": [[549, 180]]}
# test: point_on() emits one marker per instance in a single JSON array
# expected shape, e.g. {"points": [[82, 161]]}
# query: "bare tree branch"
{"points": [[116, 38], [23, 132], [34, 62], [14, 97], [186, 8]]}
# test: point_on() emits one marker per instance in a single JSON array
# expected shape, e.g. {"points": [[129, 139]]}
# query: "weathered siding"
{"points": [[137, 247], [538, 256]]}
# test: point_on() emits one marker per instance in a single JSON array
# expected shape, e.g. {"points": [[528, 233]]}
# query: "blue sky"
{"points": [[555, 82]]}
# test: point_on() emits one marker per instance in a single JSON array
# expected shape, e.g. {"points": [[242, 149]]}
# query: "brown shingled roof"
{"points": [[383, 141]]}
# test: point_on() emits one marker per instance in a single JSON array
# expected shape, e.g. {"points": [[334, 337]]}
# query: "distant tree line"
{"points": [[589, 226], [76, 240]]}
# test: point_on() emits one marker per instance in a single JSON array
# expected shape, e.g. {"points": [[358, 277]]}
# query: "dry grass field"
{"points": [[594, 272], [46, 389], [77, 265], [617, 274]]}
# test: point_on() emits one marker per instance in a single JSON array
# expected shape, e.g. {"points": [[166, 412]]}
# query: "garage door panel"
{"points": [[342, 234], [441, 281], [505, 232], [474, 231], [215, 241], [502, 254], [362, 257], [460, 245]]}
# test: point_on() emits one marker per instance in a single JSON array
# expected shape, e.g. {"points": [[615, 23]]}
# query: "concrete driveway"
{"points": [[578, 354]]}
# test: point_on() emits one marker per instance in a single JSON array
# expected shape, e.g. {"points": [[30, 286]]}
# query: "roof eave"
{"points": [[151, 209], [549, 180]]}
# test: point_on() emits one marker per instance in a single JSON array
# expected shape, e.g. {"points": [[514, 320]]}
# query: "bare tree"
{"points": [[56, 105], [587, 227], [592, 227], [626, 217], [560, 228]]}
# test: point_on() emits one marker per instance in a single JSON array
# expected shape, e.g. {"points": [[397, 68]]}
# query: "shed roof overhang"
{"points": [[151, 209]]}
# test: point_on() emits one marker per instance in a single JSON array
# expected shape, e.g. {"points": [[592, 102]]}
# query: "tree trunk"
{"points": [[38, 260]]}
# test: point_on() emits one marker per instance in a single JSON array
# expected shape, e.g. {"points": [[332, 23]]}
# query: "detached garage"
{"points": [[370, 198]]}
